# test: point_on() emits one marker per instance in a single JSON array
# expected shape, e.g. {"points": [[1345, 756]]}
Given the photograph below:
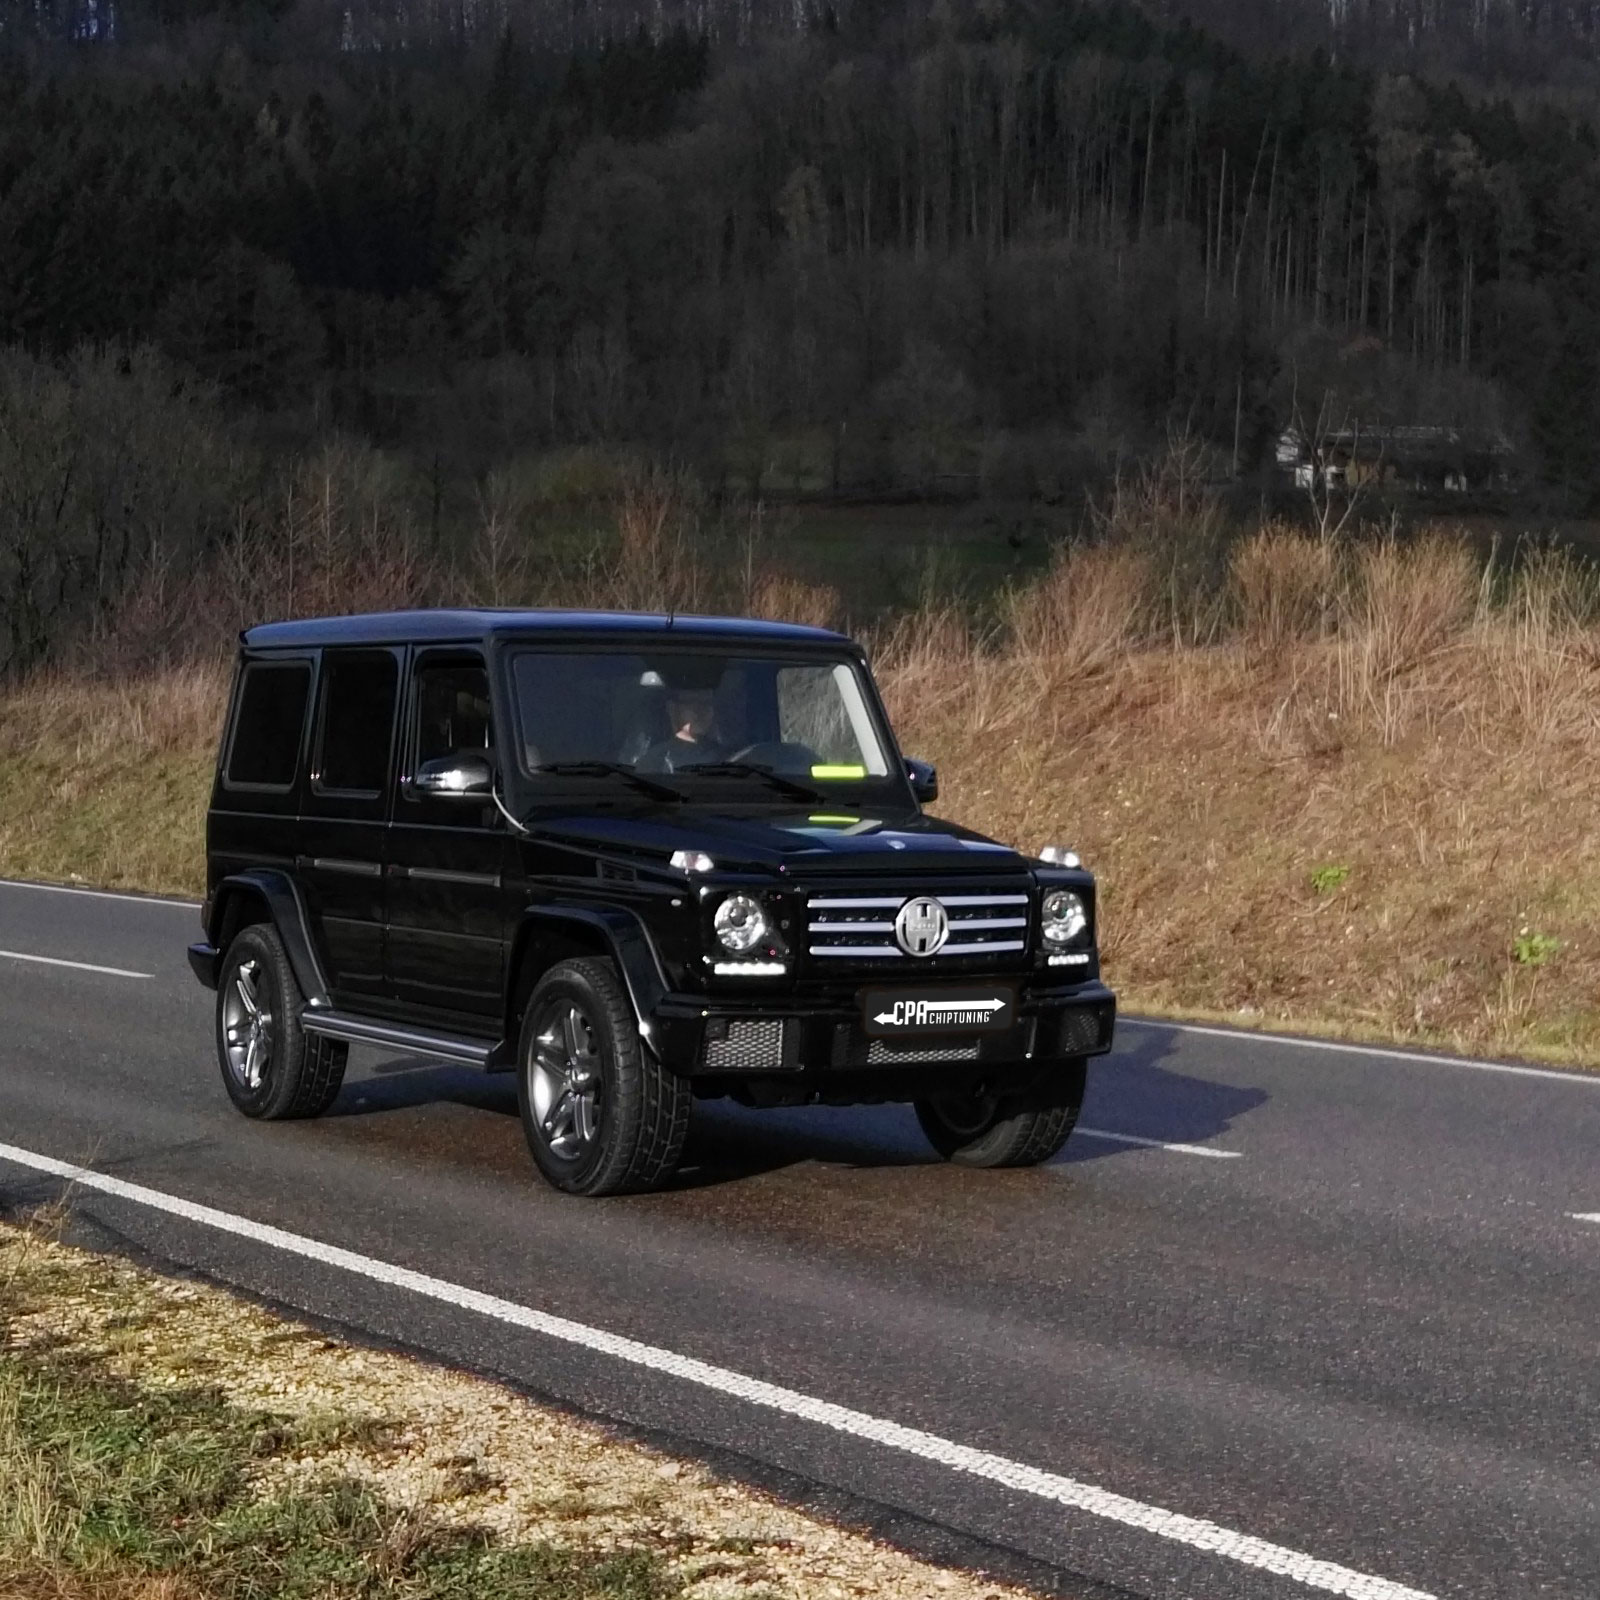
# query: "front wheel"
{"points": [[601, 1114], [977, 1127], [271, 1067]]}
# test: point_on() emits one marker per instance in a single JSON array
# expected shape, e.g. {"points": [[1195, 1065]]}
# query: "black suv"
{"points": [[634, 860]]}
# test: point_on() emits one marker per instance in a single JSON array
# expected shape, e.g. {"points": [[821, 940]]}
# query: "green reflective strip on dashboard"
{"points": [[826, 772]]}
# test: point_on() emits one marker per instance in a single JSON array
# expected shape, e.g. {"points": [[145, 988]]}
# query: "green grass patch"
{"points": [[1534, 949], [107, 1481], [1329, 879]]}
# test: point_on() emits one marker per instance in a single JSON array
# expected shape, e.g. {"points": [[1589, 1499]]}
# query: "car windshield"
{"points": [[700, 717]]}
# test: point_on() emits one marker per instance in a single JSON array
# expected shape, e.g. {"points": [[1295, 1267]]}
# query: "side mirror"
{"points": [[924, 778], [454, 777]]}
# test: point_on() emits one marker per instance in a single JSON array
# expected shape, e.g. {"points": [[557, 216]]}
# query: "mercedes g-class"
{"points": [[635, 860]]}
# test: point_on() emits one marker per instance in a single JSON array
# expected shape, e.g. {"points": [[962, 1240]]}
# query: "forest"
{"points": [[481, 252]]}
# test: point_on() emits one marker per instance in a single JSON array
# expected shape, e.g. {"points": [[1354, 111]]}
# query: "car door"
{"points": [[344, 820], [447, 854]]}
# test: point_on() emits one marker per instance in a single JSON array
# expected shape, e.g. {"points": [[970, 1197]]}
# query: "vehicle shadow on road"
{"points": [[404, 1083], [729, 1142], [1132, 1093]]}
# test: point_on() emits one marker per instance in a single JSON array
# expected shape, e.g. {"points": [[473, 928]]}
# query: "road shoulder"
{"points": [[449, 1451]]}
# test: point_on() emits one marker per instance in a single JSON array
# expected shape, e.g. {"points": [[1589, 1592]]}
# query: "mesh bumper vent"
{"points": [[755, 1045], [853, 1048], [1083, 1030], [883, 1053]]}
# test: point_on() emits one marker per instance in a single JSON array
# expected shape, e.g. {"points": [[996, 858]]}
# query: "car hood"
{"points": [[800, 844]]}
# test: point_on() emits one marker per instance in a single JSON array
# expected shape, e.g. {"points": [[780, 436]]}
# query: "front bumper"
{"points": [[709, 1037]]}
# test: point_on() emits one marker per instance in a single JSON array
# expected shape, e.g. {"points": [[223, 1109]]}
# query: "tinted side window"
{"points": [[452, 711], [272, 717], [358, 693]]}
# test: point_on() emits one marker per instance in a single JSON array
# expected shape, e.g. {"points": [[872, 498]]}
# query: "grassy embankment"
{"points": [[1363, 804], [164, 1441]]}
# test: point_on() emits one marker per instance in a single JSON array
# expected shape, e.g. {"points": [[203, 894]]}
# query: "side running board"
{"points": [[394, 1036]]}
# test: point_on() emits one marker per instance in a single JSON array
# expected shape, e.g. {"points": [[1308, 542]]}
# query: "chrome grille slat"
{"points": [[834, 904], [854, 926], [858, 950]]}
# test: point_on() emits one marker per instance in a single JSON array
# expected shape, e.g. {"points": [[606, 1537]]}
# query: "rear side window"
{"points": [[358, 693], [271, 720]]}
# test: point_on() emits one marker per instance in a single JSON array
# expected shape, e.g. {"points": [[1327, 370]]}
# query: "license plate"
{"points": [[921, 1013]]}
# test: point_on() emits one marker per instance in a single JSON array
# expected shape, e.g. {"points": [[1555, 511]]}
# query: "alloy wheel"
{"points": [[247, 1025], [564, 1081]]}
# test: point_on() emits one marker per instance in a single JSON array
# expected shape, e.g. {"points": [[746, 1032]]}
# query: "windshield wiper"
{"points": [[745, 769], [611, 769]]}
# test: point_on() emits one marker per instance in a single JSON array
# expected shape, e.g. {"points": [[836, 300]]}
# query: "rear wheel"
{"points": [[601, 1114], [977, 1127], [271, 1067]]}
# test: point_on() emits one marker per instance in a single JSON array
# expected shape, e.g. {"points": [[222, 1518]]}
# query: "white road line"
{"points": [[1193, 1532], [1161, 1144], [97, 894], [77, 966], [1585, 1216], [1250, 1035]]}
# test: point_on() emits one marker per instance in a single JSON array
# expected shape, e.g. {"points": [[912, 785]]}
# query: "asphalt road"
{"points": [[1345, 1306]]}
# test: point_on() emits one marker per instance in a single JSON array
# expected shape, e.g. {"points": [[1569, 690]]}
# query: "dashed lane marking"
{"points": [[1585, 1216], [1328, 1577], [1161, 1144], [76, 966]]}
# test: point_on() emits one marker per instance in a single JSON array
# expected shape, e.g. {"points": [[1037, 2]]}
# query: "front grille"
{"points": [[758, 1045], [860, 927]]}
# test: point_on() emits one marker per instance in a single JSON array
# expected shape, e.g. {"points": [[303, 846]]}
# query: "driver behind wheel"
{"points": [[692, 715]]}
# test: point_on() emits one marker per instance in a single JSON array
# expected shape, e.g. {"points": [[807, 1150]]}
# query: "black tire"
{"points": [[636, 1112], [293, 1073], [979, 1129]]}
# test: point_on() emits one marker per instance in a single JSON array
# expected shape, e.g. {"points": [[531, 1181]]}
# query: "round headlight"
{"points": [[1063, 917], [741, 924]]}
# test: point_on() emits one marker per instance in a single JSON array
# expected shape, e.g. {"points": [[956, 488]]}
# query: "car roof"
{"points": [[464, 624]]}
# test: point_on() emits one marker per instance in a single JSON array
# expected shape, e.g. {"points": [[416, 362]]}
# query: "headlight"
{"points": [[741, 924], [1063, 917]]}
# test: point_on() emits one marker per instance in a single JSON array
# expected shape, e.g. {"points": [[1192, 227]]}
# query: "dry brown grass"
{"points": [[79, 1586], [1388, 721], [1416, 732], [107, 783]]}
